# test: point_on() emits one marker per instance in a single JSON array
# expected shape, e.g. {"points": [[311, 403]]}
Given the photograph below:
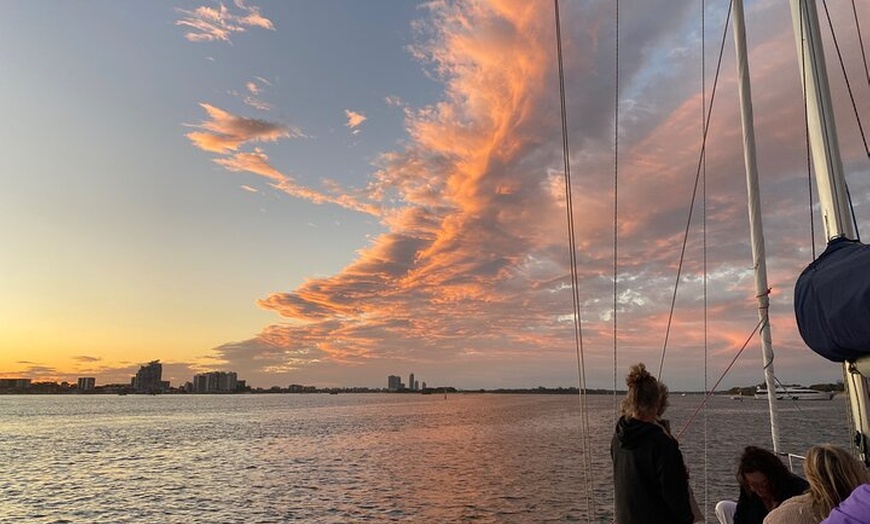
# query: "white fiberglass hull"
{"points": [[800, 394]]}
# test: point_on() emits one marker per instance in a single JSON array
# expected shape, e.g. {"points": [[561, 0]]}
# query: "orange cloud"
{"points": [[474, 263], [225, 132], [208, 24], [256, 162], [354, 119], [462, 235]]}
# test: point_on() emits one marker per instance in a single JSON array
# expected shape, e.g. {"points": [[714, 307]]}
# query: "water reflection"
{"points": [[349, 458]]}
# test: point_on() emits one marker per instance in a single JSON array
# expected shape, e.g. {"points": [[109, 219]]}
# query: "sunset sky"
{"points": [[329, 192]]}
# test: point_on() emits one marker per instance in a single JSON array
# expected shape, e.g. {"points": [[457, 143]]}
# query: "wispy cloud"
{"points": [[209, 24], [394, 101], [224, 132], [354, 120], [38, 372], [253, 96], [256, 162]]}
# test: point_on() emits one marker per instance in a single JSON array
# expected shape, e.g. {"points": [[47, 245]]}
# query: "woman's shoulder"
{"points": [[795, 510]]}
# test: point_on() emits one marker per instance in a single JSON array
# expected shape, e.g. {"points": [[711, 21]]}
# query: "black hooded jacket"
{"points": [[649, 475]]}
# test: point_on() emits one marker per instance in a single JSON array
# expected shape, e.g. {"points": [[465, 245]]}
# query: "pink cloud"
{"points": [[473, 264], [256, 162], [354, 119], [225, 132], [253, 98], [208, 24]]}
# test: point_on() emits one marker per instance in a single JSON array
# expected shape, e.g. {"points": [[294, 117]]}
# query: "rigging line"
{"points": [[704, 229], [721, 377], [846, 79], [701, 158], [852, 212], [793, 399], [578, 330], [807, 139], [825, 125], [823, 116], [861, 42], [615, 212], [852, 99]]}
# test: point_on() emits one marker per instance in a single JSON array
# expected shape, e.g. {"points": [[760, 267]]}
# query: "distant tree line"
{"points": [[123, 389]]}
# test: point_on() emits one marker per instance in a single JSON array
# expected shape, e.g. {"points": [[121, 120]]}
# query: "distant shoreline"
{"points": [[53, 388]]}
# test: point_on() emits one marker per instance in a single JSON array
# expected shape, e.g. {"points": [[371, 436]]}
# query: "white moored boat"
{"points": [[795, 393]]}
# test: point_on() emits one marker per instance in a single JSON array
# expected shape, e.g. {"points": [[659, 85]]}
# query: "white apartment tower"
{"points": [[215, 382]]}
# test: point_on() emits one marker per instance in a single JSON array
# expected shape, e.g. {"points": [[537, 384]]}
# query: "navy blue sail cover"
{"points": [[832, 301]]}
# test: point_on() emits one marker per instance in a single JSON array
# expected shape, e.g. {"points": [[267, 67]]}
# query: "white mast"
{"points": [[836, 214], [755, 224]]}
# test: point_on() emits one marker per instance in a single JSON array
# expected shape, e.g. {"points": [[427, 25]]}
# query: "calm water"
{"points": [[351, 458]]}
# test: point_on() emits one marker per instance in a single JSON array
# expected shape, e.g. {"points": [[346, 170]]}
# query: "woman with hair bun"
{"points": [[649, 476]]}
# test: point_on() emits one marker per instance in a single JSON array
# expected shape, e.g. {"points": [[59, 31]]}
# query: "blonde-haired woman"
{"points": [[832, 473], [649, 475]]}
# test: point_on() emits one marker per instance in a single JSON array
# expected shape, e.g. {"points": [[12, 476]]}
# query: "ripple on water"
{"points": [[350, 458]]}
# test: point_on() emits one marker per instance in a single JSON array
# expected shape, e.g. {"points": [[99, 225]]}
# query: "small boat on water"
{"points": [[794, 392]]}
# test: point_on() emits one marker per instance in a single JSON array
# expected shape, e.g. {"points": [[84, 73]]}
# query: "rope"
{"points": [[578, 330], [861, 42], [694, 192], [854, 105], [710, 393], [704, 239], [807, 139], [846, 79], [615, 214]]}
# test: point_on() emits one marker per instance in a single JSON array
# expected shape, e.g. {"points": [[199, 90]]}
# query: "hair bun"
{"points": [[637, 374]]}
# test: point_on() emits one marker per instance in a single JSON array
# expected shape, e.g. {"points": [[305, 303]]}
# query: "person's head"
{"points": [[762, 473], [642, 400], [832, 473]]}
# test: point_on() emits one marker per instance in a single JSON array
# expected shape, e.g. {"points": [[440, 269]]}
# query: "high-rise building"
{"points": [[14, 383], [148, 378], [86, 383], [411, 382], [215, 382], [394, 383]]}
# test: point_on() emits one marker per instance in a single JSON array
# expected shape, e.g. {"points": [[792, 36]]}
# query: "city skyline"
{"points": [[325, 192]]}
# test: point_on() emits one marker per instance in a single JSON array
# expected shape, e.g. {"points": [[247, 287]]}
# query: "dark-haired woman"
{"points": [[649, 475], [765, 483]]}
